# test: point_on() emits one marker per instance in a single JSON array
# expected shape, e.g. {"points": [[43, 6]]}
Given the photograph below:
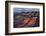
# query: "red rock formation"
{"points": [[30, 21]]}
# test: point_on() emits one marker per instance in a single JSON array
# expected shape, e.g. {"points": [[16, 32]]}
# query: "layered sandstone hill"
{"points": [[28, 19]]}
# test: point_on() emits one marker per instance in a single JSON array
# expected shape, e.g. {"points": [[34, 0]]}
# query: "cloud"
{"points": [[25, 9]]}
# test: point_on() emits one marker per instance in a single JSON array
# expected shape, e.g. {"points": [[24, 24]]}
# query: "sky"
{"points": [[19, 10]]}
